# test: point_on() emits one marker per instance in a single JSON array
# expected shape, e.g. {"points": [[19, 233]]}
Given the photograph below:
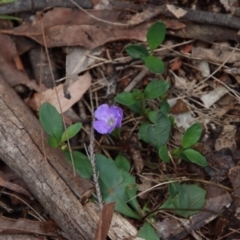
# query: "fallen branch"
{"points": [[49, 179]]}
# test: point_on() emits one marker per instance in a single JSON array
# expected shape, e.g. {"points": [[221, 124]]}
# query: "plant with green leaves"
{"points": [[155, 36], [157, 129], [185, 151], [52, 123], [116, 183], [184, 199]]}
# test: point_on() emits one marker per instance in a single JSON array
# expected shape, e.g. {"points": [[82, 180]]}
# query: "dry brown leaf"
{"points": [[176, 64], [179, 107], [176, 11], [27, 226], [216, 55], [105, 221], [234, 176], [11, 66], [70, 27], [174, 24], [76, 89], [212, 97], [187, 49], [227, 139]]}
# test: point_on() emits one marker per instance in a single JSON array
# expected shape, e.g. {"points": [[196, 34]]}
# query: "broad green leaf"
{"points": [[154, 64], [53, 142], [156, 89], [196, 198], [195, 157], [147, 232], [156, 34], [179, 196], [143, 133], [163, 154], [131, 191], [192, 135], [113, 183], [137, 51], [126, 98], [51, 120], [158, 133], [165, 107], [137, 108], [152, 116], [122, 163], [81, 163], [71, 131]]}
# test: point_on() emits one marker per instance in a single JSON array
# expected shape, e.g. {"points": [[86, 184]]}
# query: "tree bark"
{"points": [[49, 178]]}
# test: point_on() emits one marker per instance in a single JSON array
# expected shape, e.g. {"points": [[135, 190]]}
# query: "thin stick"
{"points": [[92, 158], [96, 18]]}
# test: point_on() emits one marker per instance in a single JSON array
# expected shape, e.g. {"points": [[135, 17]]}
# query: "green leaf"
{"points": [[156, 89], [195, 157], [131, 192], [126, 98], [7, 17], [163, 154], [177, 152], [158, 133], [156, 34], [192, 135], [137, 51], [147, 232], [154, 64], [113, 184], [51, 120], [122, 163], [137, 108], [143, 133], [152, 116], [53, 142], [171, 119], [81, 163], [165, 107], [179, 196], [187, 200], [138, 94], [71, 131]]}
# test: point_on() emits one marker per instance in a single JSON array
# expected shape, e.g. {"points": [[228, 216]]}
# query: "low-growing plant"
{"points": [[52, 123], [116, 183]]}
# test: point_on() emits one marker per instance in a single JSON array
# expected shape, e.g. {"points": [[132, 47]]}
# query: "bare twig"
{"points": [[92, 158], [137, 79]]}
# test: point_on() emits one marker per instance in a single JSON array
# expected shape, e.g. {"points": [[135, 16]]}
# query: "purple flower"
{"points": [[107, 118]]}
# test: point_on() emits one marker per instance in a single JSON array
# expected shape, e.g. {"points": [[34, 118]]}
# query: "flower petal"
{"points": [[118, 115], [111, 129], [102, 112], [101, 126]]}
